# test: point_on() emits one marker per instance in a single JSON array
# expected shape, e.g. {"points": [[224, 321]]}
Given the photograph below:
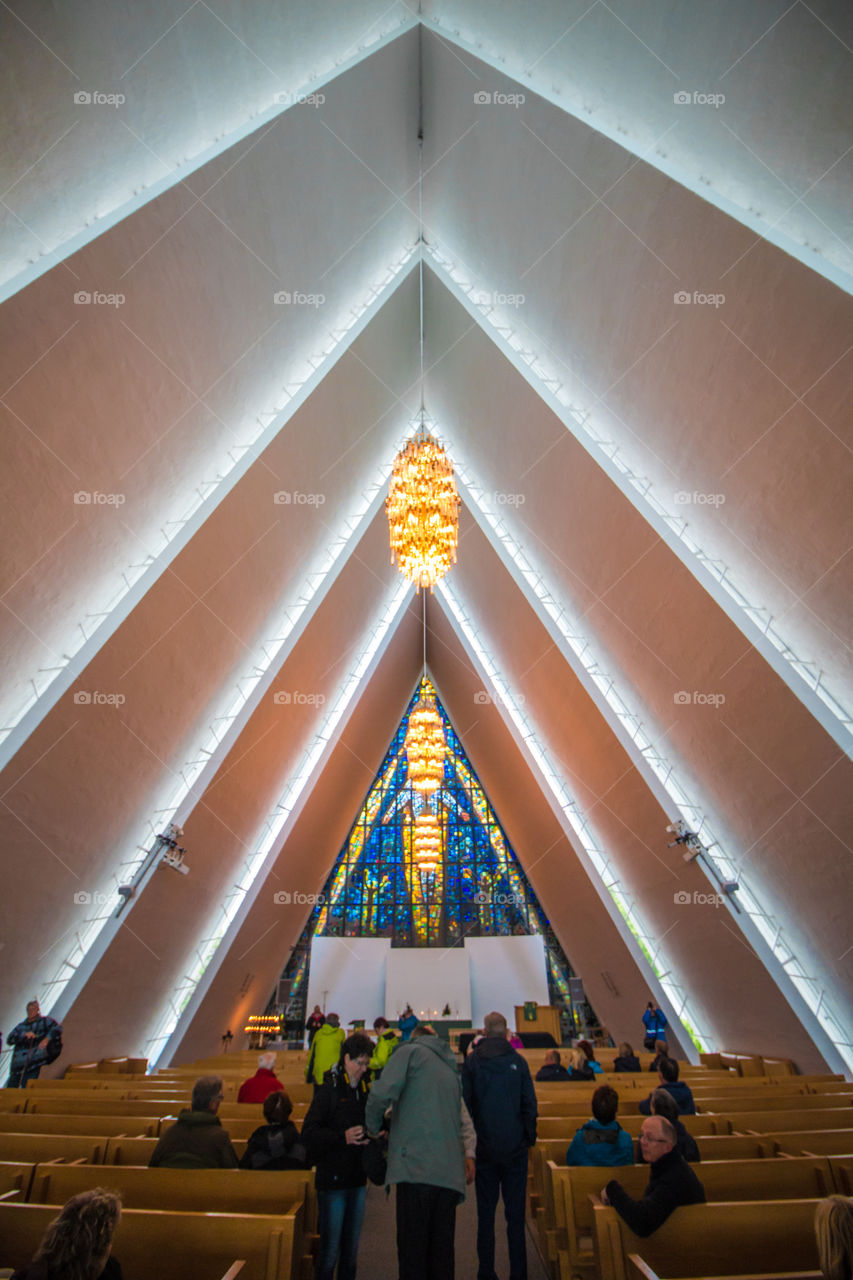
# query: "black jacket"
{"points": [[336, 1107], [672, 1183], [499, 1094], [686, 1146], [628, 1062], [552, 1071], [275, 1146]]}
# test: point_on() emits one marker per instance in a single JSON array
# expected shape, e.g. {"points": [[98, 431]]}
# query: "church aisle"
{"points": [[377, 1255]]}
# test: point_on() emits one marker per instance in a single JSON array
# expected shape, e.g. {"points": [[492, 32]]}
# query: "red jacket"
{"points": [[256, 1088]]}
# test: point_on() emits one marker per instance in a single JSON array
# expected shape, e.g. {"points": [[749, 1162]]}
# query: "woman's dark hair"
{"points": [[77, 1243], [356, 1046], [587, 1049], [663, 1104], [605, 1104], [277, 1107]]}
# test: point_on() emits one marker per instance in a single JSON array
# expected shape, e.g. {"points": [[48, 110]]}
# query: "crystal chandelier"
{"points": [[426, 840], [423, 511], [425, 747]]}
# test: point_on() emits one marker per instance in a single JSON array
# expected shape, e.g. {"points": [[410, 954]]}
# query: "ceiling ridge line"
{"points": [[137, 579], [101, 223], [697, 186], [710, 571], [662, 777]]}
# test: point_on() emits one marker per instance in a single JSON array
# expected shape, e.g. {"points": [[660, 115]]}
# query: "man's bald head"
{"points": [[657, 1138]]}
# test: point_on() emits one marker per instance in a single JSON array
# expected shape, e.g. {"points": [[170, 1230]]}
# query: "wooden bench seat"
{"points": [[37, 1148], [731, 1180], [566, 1126], [723, 1239], [100, 1126], [138, 1151], [789, 1121], [776, 1102], [819, 1142], [15, 1176], [173, 1246], [639, 1270]]}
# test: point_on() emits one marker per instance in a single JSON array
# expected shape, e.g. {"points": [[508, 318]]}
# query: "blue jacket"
{"points": [[601, 1144], [683, 1096], [499, 1094], [655, 1024]]}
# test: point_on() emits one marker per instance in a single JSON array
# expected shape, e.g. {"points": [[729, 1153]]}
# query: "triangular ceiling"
{"points": [[647, 481]]}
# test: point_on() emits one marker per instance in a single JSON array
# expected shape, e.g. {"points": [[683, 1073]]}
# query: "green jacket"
{"points": [[421, 1085], [385, 1046], [325, 1052], [195, 1141]]}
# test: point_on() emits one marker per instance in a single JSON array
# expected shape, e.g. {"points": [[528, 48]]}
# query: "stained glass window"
{"points": [[477, 888]]}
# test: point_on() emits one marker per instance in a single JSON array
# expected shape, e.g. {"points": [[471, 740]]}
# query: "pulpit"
{"points": [[546, 1019]]}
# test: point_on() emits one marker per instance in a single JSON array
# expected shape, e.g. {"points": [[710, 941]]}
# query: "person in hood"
{"points": [[325, 1050], [428, 1159], [197, 1140], [386, 1043], [681, 1092], [626, 1060], [263, 1082], [333, 1132], [602, 1140], [499, 1094], [276, 1144]]}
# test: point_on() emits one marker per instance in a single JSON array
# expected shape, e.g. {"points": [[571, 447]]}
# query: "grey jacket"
{"points": [[421, 1084]]}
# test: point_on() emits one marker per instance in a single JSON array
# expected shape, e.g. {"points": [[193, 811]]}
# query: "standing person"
{"points": [[655, 1024], [333, 1132], [499, 1094], [325, 1050], [78, 1243], [427, 1156], [197, 1140], [407, 1024], [386, 1043], [264, 1081], [314, 1023], [37, 1041]]}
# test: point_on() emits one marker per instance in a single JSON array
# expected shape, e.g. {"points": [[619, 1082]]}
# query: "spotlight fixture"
{"points": [[688, 840]]}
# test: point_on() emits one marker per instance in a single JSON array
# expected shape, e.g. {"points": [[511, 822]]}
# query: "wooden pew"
{"points": [[771, 1101], [197, 1190], [138, 1151], [639, 1270], [842, 1172], [100, 1105], [820, 1142], [732, 1180], [37, 1148], [566, 1126], [100, 1126], [15, 1176], [175, 1245], [788, 1121]]}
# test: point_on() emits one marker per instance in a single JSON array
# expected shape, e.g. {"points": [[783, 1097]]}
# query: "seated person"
{"points": [[589, 1053], [579, 1068], [681, 1092], [661, 1052], [264, 1081], [671, 1183], [663, 1104], [197, 1140], [833, 1224], [276, 1144], [602, 1140], [552, 1068], [626, 1060], [79, 1241]]}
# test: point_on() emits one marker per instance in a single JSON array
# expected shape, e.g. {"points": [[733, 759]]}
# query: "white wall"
{"points": [[505, 972], [428, 980], [351, 972]]}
